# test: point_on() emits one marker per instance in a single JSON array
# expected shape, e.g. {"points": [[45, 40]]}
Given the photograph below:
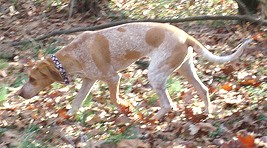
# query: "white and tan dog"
{"points": [[99, 55]]}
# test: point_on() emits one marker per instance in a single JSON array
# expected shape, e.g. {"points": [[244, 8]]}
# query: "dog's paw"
{"points": [[161, 113], [71, 112]]}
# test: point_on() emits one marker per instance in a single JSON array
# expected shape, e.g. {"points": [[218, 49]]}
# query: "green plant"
{"points": [[3, 63], [152, 99], [173, 85], [56, 85], [52, 50], [3, 130], [88, 100], [3, 93], [20, 80], [217, 132], [255, 91], [129, 133], [30, 140], [82, 116], [262, 118]]}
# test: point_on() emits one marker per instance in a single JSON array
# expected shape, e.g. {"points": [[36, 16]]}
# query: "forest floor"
{"points": [[238, 89]]}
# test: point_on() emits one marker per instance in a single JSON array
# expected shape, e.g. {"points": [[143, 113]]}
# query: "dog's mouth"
{"points": [[22, 94], [25, 95]]}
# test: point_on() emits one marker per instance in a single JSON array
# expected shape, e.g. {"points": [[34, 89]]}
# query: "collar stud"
{"points": [[60, 68]]}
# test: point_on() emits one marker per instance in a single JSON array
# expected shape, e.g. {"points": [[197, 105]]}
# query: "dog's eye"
{"points": [[32, 80]]}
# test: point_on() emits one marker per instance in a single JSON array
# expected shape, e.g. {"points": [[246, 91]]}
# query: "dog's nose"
{"points": [[19, 92], [22, 94]]}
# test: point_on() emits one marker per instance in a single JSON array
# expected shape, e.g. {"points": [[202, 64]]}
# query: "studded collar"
{"points": [[60, 69]]}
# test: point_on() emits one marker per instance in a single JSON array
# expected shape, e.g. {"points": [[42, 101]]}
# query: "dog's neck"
{"points": [[60, 68]]}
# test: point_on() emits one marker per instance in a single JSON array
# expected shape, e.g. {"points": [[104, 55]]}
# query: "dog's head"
{"points": [[41, 75]]}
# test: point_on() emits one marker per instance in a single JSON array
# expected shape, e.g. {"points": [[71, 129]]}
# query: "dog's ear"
{"points": [[48, 70], [55, 74]]}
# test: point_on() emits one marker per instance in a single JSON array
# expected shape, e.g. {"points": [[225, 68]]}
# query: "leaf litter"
{"points": [[238, 93]]}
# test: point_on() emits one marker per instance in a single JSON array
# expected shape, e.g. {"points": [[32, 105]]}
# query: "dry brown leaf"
{"points": [[193, 129], [189, 115], [251, 82], [3, 73], [11, 137], [31, 107], [207, 126], [122, 119], [247, 141], [63, 113], [228, 69], [258, 37], [132, 143], [227, 86], [55, 94]]}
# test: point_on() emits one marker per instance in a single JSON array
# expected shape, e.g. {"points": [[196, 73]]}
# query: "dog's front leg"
{"points": [[113, 84], [82, 94]]}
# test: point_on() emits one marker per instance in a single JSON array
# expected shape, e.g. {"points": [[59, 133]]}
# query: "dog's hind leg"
{"points": [[157, 76], [188, 71], [82, 94], [161, 66]]}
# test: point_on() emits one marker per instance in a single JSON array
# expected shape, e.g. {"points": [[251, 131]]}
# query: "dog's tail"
{"points": [[200, 49]]}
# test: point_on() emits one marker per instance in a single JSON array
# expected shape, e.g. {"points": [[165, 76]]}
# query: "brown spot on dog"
{"points": [[177, 56], [155, 36], [100, 53], [130, 54], [120, 29]]}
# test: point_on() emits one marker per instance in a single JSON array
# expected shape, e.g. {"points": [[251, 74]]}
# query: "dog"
{"points": [[100, 55]]}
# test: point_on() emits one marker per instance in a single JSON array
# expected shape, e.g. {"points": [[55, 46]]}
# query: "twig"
{"points": [[177, 20], [71, 8]]}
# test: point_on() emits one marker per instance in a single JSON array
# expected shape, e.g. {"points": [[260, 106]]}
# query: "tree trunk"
{"points": [[247, 6], [93, 7], [263, 8]]}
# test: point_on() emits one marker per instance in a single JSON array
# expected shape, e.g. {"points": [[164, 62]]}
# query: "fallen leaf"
{"points": [[125, 109], [55, 94], [11, 137], [248, 141], [193, 129], [264, 139], [207, 126], [212, 89], [122, 119], [258, 37], [227, 86], [31, 107], [231, 144], [63, 113], [133, 143], [251, 82], [189, 115], [228, 69], [3, 73], [187, 96]]}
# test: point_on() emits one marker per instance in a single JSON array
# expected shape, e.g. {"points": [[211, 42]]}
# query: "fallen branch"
{"points": [[246, 18]]}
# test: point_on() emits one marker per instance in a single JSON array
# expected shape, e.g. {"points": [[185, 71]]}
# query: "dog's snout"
{"points": [[22, 94], [18, 92]]}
